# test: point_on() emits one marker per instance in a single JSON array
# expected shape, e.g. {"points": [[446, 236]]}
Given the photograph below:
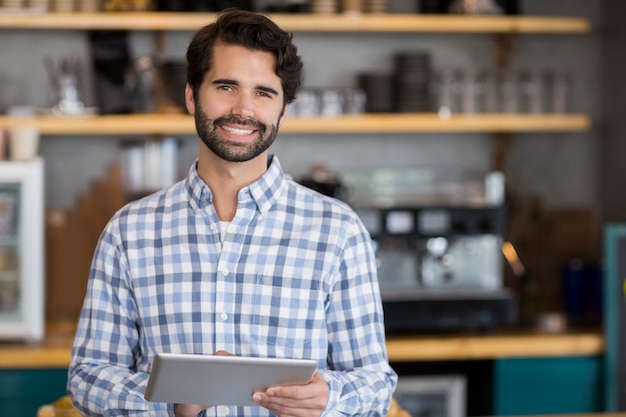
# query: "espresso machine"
{"points": [[440, 262]]}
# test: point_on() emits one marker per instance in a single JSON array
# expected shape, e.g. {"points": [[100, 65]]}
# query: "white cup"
{"points": [[24, 143]]}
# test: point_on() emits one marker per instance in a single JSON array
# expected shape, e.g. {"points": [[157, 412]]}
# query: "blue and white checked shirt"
{"points": [[295, 277]]}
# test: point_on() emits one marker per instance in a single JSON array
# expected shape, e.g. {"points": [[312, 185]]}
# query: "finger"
{"points": [[295, 392], [282, 402], [313, 389], [223, 353], [275, 403]]}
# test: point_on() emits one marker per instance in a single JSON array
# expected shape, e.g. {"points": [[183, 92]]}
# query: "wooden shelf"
{"points": [[182, 124], [55, 351], [491, 347], [432, 123], [169, 21]]}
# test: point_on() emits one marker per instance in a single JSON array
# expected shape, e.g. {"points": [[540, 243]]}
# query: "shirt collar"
{"points": [[263, 191]]}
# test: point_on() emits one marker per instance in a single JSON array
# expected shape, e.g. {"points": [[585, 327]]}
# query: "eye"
{"points": [[225, 88], [264, 94]]}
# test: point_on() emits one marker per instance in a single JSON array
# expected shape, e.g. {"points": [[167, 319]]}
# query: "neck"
{"points": [[226, 179]]}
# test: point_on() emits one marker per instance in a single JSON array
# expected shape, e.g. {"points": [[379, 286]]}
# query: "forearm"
{"points": [[108, 371], [108, 390], [361, 392], [360, 378]]}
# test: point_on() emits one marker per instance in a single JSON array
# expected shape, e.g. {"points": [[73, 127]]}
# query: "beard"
{"points": [[233, 151]]}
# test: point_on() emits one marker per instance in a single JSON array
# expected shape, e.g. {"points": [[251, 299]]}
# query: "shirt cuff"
{"points": [[334, 392]]}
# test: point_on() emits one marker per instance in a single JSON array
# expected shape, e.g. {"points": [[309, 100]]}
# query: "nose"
{"points": [[243, 107]]}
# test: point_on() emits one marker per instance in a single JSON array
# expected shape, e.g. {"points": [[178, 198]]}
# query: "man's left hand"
{"points": [[295, 400]]}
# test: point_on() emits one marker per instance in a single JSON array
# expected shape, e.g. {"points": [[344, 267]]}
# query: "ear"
{"points": [[189, 99], [282, 115]]}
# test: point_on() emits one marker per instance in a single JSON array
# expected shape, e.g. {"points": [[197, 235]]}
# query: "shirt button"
{"points": [[225, 272], [224, 410], [213, 226], [224, 316]]}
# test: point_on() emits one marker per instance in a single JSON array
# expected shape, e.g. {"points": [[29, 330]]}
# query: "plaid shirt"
{"points": [[295, 277]]}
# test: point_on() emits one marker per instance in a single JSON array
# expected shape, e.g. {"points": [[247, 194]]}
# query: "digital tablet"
{"points": [[220, 380]]}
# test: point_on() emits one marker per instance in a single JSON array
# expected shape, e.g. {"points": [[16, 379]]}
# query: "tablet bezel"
{"points": [[220, 380]]}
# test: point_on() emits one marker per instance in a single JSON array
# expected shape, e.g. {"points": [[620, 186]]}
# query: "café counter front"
{"points": [[561, 373]]}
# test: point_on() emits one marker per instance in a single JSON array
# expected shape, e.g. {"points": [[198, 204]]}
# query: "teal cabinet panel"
{"points": [[23, 391], [548, 385]]}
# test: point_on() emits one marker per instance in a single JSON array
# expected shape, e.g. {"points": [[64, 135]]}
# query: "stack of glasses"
{"points": [[412, 82], [378, 88], [375, 6], [12, 4], [324, 6]]}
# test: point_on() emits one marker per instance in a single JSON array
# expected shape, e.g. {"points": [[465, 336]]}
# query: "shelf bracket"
{"points": [[501, 145], [502, 141], [504, 44], [160, 39]]}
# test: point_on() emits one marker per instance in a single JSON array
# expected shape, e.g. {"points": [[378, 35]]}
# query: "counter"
{"points": [[616, 414], [55, 351], [562, 372], [513, 345]]}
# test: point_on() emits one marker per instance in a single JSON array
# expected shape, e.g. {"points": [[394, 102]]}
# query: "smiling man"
{"points": [[235, 259]]}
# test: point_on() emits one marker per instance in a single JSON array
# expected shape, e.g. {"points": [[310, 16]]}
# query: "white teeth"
{"points": [[237, 131]]}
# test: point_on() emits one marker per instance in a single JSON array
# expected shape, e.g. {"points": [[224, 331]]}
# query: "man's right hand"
{"points": [[189, 410]]}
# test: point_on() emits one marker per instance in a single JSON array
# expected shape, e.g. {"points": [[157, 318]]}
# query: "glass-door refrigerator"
{"points": [[21, 251], [614, 316]]}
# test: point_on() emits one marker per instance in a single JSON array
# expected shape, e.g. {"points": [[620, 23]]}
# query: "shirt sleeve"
{"points": [[104, 377], [360, 379]]}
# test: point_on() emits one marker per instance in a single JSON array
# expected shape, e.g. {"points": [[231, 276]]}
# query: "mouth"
{"points": [[237, 131]]}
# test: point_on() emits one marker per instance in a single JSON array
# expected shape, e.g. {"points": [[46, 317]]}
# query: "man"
{"points": [[236, 258]]}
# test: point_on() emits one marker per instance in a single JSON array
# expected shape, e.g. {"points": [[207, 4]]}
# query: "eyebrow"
{"points": [[228, 81]]}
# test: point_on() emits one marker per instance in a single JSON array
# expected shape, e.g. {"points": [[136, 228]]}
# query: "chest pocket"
{"points": [[289, 315]]}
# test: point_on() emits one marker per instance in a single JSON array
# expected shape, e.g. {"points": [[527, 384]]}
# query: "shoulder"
{"points": [[309, 203], [149, 209], [301, 193]]}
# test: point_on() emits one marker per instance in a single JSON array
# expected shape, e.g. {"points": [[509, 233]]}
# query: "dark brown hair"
{"points": [[250, 30]]}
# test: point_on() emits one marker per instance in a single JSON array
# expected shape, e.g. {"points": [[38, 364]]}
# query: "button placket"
{"points": [[224, 302]]}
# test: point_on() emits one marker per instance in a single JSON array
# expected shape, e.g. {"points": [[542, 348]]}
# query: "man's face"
{"points": [[239, 104]]}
